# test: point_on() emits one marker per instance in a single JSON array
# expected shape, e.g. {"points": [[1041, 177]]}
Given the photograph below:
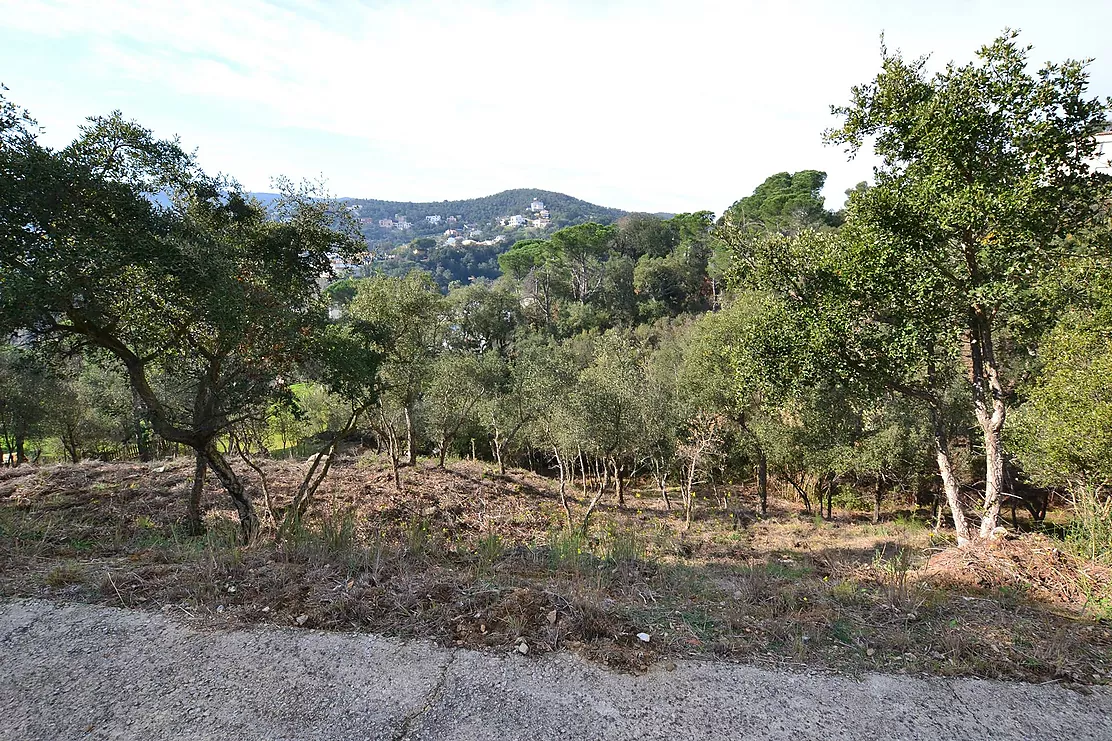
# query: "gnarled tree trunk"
{"points": [[218, 464], [194, 522], [991, 409], [949, 481], [410, 437]]}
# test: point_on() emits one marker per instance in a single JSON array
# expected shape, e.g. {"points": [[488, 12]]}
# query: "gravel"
{"points": [[89, 672]]}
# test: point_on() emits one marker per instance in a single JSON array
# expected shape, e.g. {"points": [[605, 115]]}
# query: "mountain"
{"points": [[460, 241], [563, 209]]}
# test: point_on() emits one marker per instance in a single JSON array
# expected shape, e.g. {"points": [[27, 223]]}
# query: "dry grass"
{"points": [[470, 558]]}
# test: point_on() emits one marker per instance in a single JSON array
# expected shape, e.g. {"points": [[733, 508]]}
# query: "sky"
{"points": [[643, 105]]}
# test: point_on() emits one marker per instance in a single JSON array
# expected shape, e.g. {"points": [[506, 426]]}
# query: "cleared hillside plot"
{"points": [[467, 557]]}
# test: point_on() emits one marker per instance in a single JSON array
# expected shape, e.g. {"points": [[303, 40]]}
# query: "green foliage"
{"points": [[1063, 434], [784, 202]]}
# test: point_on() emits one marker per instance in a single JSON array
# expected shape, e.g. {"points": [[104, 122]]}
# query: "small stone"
{"points": [[552, 618], [870, 652], [644, 637], [523, 648], [302, 619]]}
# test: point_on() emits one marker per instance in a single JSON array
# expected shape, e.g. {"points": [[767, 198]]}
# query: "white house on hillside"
{"points": [[536, 205], [386, 223], [433, 218], [1102, 162], [516, 220]]}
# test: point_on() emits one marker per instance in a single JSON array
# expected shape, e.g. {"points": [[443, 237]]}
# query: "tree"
{"points": [[409, 316], [582, 248], [983, 175], [784, 202], [459, 381], [483, 317], [530, 385], [1063, 433], [609, 400], [30, 392], [121, 245]]}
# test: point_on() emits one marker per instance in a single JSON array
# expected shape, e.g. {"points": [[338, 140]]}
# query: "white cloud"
{"points": [[665, 106]]}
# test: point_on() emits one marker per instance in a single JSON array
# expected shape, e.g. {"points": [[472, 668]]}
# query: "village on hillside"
{"points": [[398, 239], [458, 230]]}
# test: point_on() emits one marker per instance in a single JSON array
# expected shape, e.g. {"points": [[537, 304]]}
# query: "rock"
{"points": [[523, 648], [302, 619], [552, 618], [870, 652], [644, 637]]}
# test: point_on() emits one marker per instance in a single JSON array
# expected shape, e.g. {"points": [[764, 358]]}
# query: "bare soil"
{"points": [[468, 558]]}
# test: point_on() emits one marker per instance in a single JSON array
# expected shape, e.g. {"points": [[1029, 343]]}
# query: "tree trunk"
{"points": [[949, 481], [878, 494], [248, 521], [410, 437], [619, 485], [496, 445], [20, 451], [395, 463], [802, 493], [311, 481], [69, 442], [561, 463], [194, 522], [443, 452], [762, 482], [583, 468], [994, 477], [662, 481], [142, 434], [989, 405]]}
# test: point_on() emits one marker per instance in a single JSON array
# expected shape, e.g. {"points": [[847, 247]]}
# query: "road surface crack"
{"points": [[23, 629], [430, 699]]}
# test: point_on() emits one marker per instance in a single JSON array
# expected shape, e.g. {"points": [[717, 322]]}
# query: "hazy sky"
{"points": [[656, 106]]}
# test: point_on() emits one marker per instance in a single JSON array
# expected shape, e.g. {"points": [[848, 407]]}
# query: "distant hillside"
{"points": [[460, 241], [563, 209]]}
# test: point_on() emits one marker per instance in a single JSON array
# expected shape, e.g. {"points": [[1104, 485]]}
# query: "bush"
{"points": [[1090, 531]]}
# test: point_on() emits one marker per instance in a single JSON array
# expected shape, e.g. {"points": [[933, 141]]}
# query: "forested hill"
{"points": [[460, 241], [564, 209]]}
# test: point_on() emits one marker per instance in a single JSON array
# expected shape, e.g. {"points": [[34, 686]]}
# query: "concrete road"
{"points": [[86, 672]]}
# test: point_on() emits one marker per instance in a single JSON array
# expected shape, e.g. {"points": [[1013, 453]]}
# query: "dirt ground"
{"points": [[471, 559]]}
